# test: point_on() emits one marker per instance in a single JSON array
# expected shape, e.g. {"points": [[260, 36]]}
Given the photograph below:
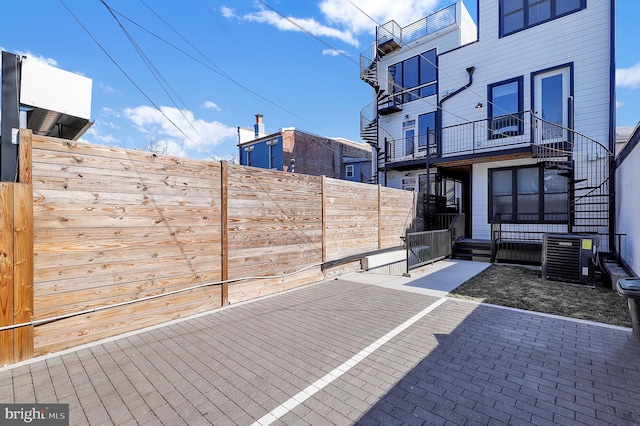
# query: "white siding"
{"points": [[581, 38], [469, 31], [628, 209], [480, 226], [395, 179]]}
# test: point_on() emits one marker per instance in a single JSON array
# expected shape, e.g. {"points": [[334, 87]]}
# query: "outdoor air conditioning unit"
{"points": [[568, 257]]}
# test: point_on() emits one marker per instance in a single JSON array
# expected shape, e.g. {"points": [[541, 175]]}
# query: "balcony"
{"points": [[417, 147], [487, 136], [392, 37], [483, 136]]}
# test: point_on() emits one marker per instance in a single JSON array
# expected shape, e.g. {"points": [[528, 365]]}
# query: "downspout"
{"points": [[612, 128], [448, 96]]}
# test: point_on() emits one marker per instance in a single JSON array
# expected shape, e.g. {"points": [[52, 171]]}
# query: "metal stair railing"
{"points": [[587, 164]]}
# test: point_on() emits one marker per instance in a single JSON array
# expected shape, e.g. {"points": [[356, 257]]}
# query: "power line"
{"points": [[309, 33], [213, 67], [395, 85], [147, 97], [154, 71]]}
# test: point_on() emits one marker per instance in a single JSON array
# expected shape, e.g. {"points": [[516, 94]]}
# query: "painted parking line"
{"points": [[319, 384]]}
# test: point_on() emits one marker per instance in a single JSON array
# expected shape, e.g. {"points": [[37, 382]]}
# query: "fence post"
{"points": [[23, 269], [16, 259], [224, 231], [379, 216], [6, 272], [324, 218], [23, 249]]}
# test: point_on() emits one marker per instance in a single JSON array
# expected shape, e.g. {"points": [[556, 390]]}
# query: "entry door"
{"points": [[551, 104]]}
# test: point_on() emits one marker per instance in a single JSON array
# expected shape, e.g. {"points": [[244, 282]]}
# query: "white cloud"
{"points": [[628, 77], [346, 15], [346, 18], [179, 130], [110, 112], [38, 58], [301, 24], [619, 104], [227, 12], [212, 105], [333, 52], [170, 147], [97, 136], [107, 89]]}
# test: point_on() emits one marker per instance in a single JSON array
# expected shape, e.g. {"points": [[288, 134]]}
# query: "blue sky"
{"points": [[218, 63]]}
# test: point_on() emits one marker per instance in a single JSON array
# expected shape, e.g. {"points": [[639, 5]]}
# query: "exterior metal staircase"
{"points": [[587, 164], [370, 130]]}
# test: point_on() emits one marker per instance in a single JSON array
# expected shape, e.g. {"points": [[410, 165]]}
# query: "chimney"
{"points": [[259, 126]]}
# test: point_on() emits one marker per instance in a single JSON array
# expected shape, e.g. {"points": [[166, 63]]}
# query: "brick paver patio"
{"points": [[460, 363]]}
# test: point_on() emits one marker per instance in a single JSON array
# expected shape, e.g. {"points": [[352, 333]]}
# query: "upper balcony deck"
{"points": [[391, 37]]}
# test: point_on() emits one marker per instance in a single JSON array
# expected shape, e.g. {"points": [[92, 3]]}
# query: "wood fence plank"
{"points": [[324, 219], [6, 272], [66, 333], [25, 167], [224, 231], [23, 278], [113, 225]]}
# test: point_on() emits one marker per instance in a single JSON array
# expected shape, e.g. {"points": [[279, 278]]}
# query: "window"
{"points": [[272, 157], [516, 15], [409, 140], [505, 108], [415, 77], [426, 130], [409, 184], [349, 171], [248, 150], [430, 184], [528, 194]]}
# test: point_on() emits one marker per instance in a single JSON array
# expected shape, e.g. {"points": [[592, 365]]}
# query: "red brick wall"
{"points": [[316, 155]]}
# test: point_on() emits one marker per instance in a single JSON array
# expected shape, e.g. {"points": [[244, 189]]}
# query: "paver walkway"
{"points": [[343, 352]]}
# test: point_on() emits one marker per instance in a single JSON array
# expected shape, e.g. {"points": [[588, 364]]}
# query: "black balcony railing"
{"points": [[482, 136], [516, 130], [391, 36], [586, 163], [411, 148]]}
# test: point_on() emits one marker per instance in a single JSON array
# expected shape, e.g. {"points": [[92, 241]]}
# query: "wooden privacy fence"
{"points": [[97, 241]]}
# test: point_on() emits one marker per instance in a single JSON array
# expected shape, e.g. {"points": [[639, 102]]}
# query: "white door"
{"points": [[551, 104]]}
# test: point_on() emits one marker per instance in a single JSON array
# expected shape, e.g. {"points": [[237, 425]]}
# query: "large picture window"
{"points": [[505, 108], [416, 77], [517, 15], [529, 194]]}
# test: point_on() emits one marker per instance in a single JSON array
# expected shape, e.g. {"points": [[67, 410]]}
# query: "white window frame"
{"points": [[349, 171]]}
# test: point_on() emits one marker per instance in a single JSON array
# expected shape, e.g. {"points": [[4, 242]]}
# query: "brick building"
{"points": [[293, 150]]}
